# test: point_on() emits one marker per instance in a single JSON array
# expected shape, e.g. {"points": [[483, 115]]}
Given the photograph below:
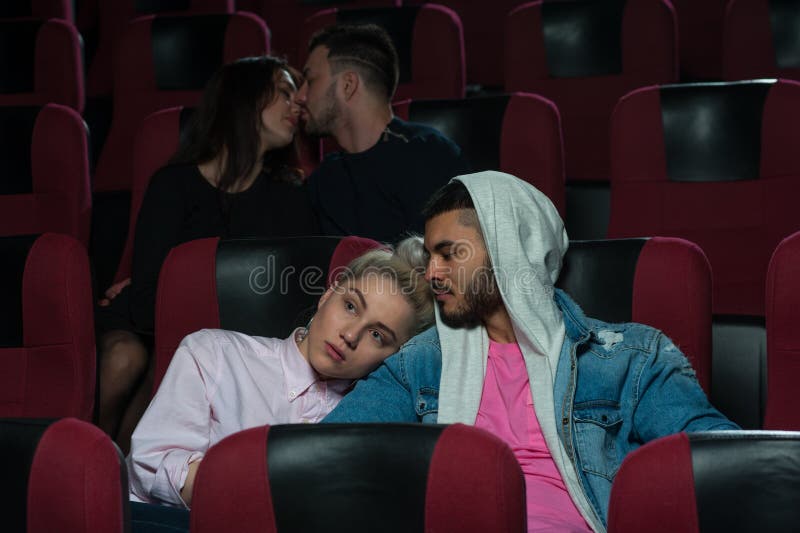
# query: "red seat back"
{"points": [[584, 56], [714, 164], [47, 346], [380, 477], [783, 348], [518, 133]]}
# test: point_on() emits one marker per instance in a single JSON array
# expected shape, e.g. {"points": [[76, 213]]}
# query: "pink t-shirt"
{"points": [[507, 411]]}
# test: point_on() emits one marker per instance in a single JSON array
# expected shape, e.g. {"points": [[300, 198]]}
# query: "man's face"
{"points": [[319, 106], [459, 270]]}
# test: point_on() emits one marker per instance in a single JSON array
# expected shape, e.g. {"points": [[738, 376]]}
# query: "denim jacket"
{"points": [[617, 386]]}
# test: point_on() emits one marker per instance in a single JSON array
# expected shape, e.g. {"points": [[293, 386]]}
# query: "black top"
{"points": [[180, 205], [379, 193]]}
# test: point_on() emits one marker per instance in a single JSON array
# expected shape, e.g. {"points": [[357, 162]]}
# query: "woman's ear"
{"points": [[327, 294]]}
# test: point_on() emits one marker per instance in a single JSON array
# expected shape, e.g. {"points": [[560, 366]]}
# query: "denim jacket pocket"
{"points": [[427, 404], [596, 429]]}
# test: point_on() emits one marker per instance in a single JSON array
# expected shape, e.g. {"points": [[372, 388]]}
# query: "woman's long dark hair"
{"points": [[229, 117]]}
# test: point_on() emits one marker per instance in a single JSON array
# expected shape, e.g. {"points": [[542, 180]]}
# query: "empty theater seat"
{"points": [[760, 40], [44, 178], [285, 18], [783, 347], [518, 133], [163, 62], [700, 38], [114, 16], [264, 287], [362, 478], [715, 164], [41, 62], [724, 481], [47, 351], [38, 9], [661, 282], [484, 26], [61, 475], [428, 39], [584, 55]]}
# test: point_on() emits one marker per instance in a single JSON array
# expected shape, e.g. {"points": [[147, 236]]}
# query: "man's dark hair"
{"points": [[365, 48], [452, 197]]}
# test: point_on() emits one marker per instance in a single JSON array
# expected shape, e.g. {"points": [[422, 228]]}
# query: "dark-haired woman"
{"points": [[232, 178]]}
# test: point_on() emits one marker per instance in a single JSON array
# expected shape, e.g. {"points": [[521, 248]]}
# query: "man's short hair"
{"points": [[365, 48], [452, 197]]}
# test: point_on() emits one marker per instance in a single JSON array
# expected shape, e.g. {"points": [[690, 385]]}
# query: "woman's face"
{"points": [[279, 118], [358, 324]]}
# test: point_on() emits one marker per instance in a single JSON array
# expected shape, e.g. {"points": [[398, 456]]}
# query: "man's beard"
{"points": [[322, 125], [481, 299]]}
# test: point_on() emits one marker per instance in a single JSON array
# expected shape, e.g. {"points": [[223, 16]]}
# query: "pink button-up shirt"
{"points": [[507, 411], [218, 383]]}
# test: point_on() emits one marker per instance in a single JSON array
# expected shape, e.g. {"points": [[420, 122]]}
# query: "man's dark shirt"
{"points": [[380, 192]]}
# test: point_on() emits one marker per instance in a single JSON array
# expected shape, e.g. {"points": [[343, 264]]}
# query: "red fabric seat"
{"points": [[584, 56], [661, 282], [518, 133], [700, 38], [363, 478], [723, 481], [164, 62], [42, 62], [783, 348], [429, 42], [484, 27], [285, 18], [65, 475], [759, 40], [114, 16], [47, 346], [44, 182], [262, 287], [715, 164]]}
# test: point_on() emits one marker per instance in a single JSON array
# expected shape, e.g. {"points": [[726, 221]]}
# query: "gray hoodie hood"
{"points": [[526, 242]]}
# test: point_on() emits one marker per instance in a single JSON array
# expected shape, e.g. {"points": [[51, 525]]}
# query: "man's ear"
{"points": [[350, 84]]}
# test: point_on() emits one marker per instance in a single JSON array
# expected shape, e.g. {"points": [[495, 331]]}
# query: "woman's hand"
{"points": [[188, 486], [113, 291]]}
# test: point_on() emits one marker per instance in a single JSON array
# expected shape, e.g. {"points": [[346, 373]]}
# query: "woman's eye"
{"points": [[377, 336], [349, 306]]}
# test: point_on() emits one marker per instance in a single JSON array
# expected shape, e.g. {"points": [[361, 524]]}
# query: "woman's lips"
{"points": [[335, 354]]}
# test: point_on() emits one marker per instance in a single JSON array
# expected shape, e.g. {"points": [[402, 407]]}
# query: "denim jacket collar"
{"points": [[578, 327]]}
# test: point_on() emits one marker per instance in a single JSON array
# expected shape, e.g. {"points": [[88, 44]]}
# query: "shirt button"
{"points": [[292, 395]]}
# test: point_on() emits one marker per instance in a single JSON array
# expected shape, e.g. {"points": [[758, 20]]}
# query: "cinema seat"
{"points": [[723, 481], [61, 475], [47, 348], [361, 478], [518, 133]]}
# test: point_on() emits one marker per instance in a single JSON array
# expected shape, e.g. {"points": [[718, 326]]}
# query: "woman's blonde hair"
{"points": [[405, 267]]}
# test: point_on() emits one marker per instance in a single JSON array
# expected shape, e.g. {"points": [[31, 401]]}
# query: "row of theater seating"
{"points": [[264, 287], [711, 163], [583, 55], [68, 476], [227, 284]]}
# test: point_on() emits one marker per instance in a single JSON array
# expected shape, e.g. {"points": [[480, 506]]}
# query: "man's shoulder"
{"points": [[423, 348], [416, 132]]}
